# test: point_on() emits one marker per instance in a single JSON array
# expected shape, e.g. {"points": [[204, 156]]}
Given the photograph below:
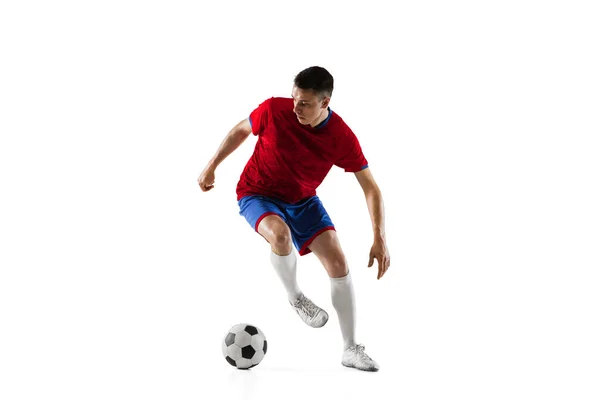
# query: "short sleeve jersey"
{"points": [[291, 160]]}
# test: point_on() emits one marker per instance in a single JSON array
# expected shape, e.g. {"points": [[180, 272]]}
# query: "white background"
{"points": [[119, 277]]}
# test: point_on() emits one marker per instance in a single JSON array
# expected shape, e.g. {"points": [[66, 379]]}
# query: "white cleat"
{"points": [[355, 357], [310, 313]]}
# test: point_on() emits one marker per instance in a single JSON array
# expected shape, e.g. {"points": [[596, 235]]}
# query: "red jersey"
{"points": [[291, 160]]}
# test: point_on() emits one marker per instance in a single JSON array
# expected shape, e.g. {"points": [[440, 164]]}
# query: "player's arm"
{"points": [[374, 201], [236, 136], [376, 211]]}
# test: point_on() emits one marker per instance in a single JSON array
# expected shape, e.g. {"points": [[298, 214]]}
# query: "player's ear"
{"points": [[326, 101]]}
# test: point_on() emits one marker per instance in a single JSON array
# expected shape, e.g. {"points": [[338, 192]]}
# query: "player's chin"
{"points": [[303, 120]]}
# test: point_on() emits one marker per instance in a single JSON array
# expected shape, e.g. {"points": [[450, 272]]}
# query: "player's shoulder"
{"points": [[338, 123]]}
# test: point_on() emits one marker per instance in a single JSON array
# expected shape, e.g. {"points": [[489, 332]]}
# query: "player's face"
{"points": [[308, 107]]}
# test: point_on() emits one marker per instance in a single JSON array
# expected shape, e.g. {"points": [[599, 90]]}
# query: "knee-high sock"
{"points": [[342, 298], [285, 266]]}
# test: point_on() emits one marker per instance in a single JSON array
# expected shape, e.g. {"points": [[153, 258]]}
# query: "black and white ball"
{"points": [[244, 346]]}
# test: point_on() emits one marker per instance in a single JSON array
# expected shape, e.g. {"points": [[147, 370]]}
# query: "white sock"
{"points": [[342, 297], [285, 266]]}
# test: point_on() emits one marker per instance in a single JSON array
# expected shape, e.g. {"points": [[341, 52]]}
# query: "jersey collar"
{"points": [[322, 124]]}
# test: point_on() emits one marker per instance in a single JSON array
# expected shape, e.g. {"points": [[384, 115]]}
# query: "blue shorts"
{"points": [[306, 219]]}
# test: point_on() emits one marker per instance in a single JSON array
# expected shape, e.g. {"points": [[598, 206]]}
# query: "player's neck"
{"points": [[322, 117]]}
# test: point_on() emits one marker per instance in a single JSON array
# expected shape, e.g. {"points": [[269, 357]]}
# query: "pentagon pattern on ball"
{"points": [[251, 330], [230, 360], [248, 352], [244, 346], [229, 338]]}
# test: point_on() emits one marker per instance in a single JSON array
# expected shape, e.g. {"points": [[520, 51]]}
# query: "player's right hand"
{"points": [[206, 179]]}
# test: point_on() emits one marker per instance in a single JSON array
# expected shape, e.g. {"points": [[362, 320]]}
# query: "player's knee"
{"points": [[338, 267], [282, 239], [282, 242]]}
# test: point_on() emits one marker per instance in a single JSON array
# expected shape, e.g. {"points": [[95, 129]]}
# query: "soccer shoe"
{"points": [[355, 357], [311, 314]]}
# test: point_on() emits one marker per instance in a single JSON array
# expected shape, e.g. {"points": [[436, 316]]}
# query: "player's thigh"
{"points": [[329, 251]]}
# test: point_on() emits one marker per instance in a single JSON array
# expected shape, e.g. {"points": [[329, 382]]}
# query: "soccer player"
{"points": [[299, 140]]}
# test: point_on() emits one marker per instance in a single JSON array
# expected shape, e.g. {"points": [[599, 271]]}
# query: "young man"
{"points": [[299, 140]]}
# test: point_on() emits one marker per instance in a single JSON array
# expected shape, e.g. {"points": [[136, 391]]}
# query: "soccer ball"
{"points": [[244, 346]]}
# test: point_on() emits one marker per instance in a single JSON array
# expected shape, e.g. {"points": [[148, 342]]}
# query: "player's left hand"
{"points": [[380, 252]]}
